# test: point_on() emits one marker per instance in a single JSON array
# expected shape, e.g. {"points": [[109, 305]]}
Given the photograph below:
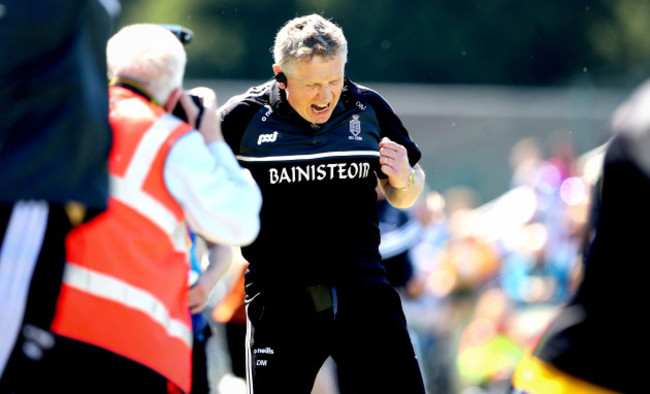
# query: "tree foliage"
{"points": [[525, 42]]}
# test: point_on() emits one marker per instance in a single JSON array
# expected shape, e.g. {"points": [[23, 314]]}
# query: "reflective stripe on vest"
{"points": [[128, 189], [112, 289]]}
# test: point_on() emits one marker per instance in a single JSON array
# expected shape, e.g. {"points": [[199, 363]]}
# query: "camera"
{"points": [[183, 34], [179, 112]]}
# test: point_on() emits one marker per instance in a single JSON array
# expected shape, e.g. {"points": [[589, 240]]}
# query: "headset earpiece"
{"points": [[281, 79]]}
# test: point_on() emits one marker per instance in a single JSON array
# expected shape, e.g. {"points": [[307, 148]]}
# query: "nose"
{"points": [[325, 92]]}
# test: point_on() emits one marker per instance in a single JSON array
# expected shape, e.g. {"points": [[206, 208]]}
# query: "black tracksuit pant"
{"points": [[291, 332]]}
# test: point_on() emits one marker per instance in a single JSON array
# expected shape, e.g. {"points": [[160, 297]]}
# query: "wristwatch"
{"points": [[411, 181]]}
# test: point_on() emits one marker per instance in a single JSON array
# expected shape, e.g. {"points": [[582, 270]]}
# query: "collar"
{"points": [[134, 87]]}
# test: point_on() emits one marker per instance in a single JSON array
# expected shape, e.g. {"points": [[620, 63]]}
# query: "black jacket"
{"points": [[54, 132], [319, 222]]}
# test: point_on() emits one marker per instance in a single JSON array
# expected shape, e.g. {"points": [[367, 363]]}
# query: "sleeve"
{"points": [[391, 126], [221, 200], [235, 115]]}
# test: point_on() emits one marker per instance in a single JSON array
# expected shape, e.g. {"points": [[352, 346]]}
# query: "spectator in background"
{"points": [[540, 248], [54, 146], [525, 160], [203, 279], [429, 211], [469, 258], [124, 307], [400, 232], [231, 312], [487, 349], [594, 345], [427, 307]]}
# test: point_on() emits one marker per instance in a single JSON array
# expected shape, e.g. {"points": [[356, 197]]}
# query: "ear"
{"points": [[173, 99], [277, 70]]}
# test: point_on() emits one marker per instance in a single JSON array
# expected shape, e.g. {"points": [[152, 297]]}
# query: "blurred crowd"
{"points": [[497, 273], [479, 283], [489, 278]]}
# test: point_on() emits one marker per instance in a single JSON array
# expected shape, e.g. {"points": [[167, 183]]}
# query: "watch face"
{"points": [[411, 179]]}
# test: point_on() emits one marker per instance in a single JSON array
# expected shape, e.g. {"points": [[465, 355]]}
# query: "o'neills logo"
{"points": [[319, 172], [264, 350]]}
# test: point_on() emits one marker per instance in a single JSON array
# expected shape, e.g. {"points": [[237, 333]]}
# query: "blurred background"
{"points": [[510, 103]]}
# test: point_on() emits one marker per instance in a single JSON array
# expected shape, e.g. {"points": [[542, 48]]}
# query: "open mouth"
{"points": [[320, 109]]}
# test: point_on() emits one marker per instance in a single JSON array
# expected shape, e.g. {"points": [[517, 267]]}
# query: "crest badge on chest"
{"points": [[355, 128]]}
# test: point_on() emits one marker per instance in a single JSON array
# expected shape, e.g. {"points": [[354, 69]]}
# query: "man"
{"points": [[54, 145], [202, 282], [316, 143], [597, 342], [123, 315]]}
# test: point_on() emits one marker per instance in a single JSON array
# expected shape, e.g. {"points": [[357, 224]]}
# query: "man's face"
{"points": [[315, 86]]}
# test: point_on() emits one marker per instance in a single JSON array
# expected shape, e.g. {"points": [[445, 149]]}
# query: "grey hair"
{"points": [[149, 55], [304, 37]]}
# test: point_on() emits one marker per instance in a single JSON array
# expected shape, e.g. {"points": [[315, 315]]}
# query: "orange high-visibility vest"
{"points": [[125, 283]]}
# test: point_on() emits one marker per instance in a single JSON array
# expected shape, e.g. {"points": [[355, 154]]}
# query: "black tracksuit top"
{"points": [[319, 223]]}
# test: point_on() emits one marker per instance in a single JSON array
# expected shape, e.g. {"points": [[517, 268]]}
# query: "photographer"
{"points": [[122, 318]]}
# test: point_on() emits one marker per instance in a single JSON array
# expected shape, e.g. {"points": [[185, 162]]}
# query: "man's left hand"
{"points": [[198, 297], [394, 161]]}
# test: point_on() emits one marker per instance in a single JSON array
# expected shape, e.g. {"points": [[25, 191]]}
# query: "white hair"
{"points": [[149, 55]]}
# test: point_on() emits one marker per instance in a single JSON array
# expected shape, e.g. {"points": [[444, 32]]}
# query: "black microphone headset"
{"points": [[281, 79]]}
